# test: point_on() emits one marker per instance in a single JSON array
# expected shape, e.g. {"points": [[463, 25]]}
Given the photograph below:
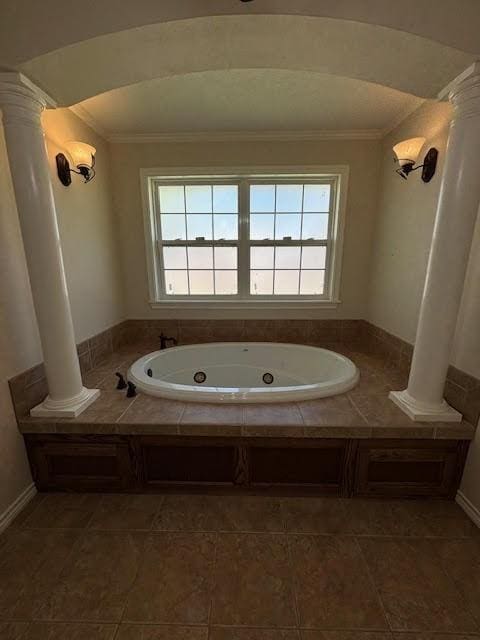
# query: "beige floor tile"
{"points": [[148, 410], [174, 582], [461, 560], [315, 515], [206, 414], [236, 633], [129, 512], [70, 631], [422, 518], [96, 581], [63, 511], [219, 513], [30, 564], [416, 592], [286, 414], [332, 584], [253, 585], [164, 632]]}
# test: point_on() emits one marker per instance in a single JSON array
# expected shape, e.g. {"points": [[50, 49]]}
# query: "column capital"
{"points": [[464, 93], [21, 101]]}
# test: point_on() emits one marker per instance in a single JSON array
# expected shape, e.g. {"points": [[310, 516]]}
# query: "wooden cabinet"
{"points": [[409, 467], [376, 468], [68, 463]]}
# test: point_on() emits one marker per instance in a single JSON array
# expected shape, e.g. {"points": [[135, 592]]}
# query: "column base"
{"points": [[70, 408], [422, 412]]}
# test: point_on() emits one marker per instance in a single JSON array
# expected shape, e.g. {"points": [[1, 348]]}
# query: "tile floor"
{"points": [[183, 567]]}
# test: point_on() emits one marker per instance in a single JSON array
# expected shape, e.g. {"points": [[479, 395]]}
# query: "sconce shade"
{"points": [[80, 153], [407, 151]]}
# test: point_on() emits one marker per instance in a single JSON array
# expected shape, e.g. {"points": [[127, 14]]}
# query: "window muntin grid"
{"points": [[290, 219]]}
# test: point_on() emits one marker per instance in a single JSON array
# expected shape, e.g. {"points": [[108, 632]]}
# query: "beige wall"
{"points": [[362, 157], [87, 229], [19, 343], [402, 239]]}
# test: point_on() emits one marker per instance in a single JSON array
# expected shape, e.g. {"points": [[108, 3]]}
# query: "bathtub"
{"points": [[243, 372]]}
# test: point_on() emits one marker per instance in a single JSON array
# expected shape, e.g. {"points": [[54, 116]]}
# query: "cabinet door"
{"points": [[408, 467], [79, 465]]}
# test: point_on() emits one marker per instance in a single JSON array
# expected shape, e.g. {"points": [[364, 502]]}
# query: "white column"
{"points": [[452, 238], [22, 103]]}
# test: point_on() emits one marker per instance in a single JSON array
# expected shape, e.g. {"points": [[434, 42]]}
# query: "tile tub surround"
{"points": [[389, 355], [197, 567], [364, 412]]}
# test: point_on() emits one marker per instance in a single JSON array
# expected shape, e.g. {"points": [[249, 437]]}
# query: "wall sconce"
{"points": [[83, 157], [406, 154]]}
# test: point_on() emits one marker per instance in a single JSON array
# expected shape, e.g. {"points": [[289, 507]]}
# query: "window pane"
{"points": [[199, 199], [201, 283], [172, 199], [200, 257], [286, 283], [225, 198], [176, 283], [225, 257], [226, 227], [315, 226], [262, 198], [287, 258], [316, 197], [314, 257], [199, 227], [173, 227], [289, 197], [226, 283], [288, 226], [261, 226], [175, 257], [261, 257], [312, 282], [261, 283]]}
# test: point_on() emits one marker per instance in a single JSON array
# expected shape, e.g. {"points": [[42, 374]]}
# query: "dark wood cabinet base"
{"points": [[345, 467]]}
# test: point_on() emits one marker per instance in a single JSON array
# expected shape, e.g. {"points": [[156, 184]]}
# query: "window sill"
{"points": [[243, 305]]}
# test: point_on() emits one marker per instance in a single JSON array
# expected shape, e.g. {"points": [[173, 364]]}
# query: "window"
{"points": [[260, 238]]}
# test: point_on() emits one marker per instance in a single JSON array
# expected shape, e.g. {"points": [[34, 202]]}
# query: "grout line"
{"points": [[374, 584], [293, 580], [213, 584]]}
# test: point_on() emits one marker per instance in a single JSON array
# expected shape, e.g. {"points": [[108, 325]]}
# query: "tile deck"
{"points": [[206, 567], [364, 412]]}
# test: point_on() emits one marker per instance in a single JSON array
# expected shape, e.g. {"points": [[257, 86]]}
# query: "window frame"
{"points": [[336, 176]]}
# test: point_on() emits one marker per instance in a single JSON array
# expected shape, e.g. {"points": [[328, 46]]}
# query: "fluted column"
{"points": [[22, 103], [452, 238]]}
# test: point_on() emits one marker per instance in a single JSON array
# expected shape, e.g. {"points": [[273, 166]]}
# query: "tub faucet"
{"points": [[164, 340]]}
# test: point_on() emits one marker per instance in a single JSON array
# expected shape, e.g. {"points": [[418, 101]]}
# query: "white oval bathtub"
{"points": [[243, 372]]}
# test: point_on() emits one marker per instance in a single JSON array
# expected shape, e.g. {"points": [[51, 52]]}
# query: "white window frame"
{"points": [[150, 178]]}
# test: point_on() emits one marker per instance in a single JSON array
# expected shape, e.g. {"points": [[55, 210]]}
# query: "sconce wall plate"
{"points": [[63, 169], [429, 165]]}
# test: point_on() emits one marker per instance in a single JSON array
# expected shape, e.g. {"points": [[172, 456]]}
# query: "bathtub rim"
{"points": [[241, 395]]}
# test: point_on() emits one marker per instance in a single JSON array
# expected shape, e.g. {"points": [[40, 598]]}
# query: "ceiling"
{"points": [[30, 28], [247, 100]]}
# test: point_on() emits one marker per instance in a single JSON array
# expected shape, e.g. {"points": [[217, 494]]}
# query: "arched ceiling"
{"points": [[30, 28], [247, 100], [351, 49]]}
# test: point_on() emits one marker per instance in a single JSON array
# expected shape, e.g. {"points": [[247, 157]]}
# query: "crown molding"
{"points": [[233, 136], [89, 120]]}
